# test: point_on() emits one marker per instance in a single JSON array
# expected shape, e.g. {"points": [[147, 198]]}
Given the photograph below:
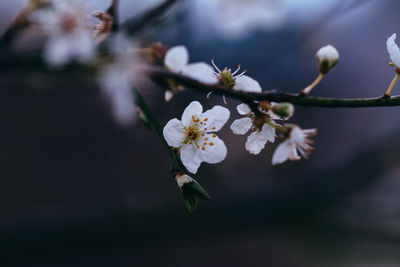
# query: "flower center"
{"points": [[192, 133], [226, 77]]}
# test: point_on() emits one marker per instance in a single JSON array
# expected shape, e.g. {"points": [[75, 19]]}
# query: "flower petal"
{"points": [[255, 142], [191, 157], [174, 133], [269, 132], [246, 84], [282, 153], [393, 50], [176, 58], [243, 109], [214, 153], [215, 118], [241, 126], [200, 71], [194, 109]]}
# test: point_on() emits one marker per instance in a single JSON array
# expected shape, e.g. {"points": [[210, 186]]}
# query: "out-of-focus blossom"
{"points": [[236, 81], [118, 78], [195, 137], [177, 60], [296, 141], [235, 19], [393, 50], [327, 57], [69, 35]]}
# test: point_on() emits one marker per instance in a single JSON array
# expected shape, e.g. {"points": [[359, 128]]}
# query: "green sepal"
{"points": [[191, 193]]}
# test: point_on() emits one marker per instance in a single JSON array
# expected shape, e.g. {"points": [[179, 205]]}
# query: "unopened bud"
{"points": [[284, 110], [182, 179], [168, 95], [327, 57]]}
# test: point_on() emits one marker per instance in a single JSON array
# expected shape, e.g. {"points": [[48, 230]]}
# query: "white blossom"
{"points": [[177, 60], [117, 80], [69, 35], [239, 82], [297, 141], [194, 135], [327, 57], [261, 134], [393, 50]]}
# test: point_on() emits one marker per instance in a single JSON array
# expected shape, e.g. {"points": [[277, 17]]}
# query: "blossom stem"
{"points": [[390, 88], [277, 126], [308, 89]]}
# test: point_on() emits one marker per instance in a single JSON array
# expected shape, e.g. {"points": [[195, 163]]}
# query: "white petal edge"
{"points": [[243, 109], [191, 157], [194, 109], [282, 153], [393, 50], [174, 133], [247, 84], [241, 126], [269, 132], [201, 72], [216, 153], [176, 58], [255, 142], [216, 118]]}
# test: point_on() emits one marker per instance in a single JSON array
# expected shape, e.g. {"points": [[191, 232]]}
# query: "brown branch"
{"points": [[276, 96]]}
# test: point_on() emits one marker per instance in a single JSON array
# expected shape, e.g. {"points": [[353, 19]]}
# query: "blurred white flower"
{"points": [[327, 57], [236, 81], [118, 78], [69, 33], [393, 50], [195, 137], [237, 19], [262, 131], [297, 141], [177, 60]]}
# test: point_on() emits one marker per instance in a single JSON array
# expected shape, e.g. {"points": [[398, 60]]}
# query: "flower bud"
{"points": [[284, 110], [327, 57], [182, 179], [168, 95]]}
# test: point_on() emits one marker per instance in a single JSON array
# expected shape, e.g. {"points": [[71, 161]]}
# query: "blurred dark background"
{"points": [[77, 190]]}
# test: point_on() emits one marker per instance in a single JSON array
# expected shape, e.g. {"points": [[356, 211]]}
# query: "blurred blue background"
{"points": [[76, 190]]}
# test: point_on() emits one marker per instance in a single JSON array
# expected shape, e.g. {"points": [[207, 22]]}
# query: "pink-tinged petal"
{"points": [[201, 72], [255, 142], [282, 153], [214, 151], [246, 84], [243, 109], [194, 110], [241, 126], [176, 58], [215, 118], [174, 133], [268, 132], [393, 50], [191, 157]]}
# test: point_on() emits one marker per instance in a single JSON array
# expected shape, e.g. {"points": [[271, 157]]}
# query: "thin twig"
{"points": [[131, 26], [277, 96]]}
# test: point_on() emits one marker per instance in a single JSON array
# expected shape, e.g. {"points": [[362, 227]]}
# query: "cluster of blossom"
{"points": [[71, 38], [194, 135]]}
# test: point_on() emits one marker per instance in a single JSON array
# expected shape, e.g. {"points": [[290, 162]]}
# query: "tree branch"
{"points": [[277, 96], [134, 24]]}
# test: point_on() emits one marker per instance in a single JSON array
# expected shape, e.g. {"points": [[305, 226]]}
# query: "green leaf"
{"points": [[191, 193]]}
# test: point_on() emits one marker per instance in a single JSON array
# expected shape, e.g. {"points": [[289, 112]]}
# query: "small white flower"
{"points": [[263, 132], [69, 34], [327, 57], [195, 137], [297, 141], [239, 82], [177, 60], [393, 50]]}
